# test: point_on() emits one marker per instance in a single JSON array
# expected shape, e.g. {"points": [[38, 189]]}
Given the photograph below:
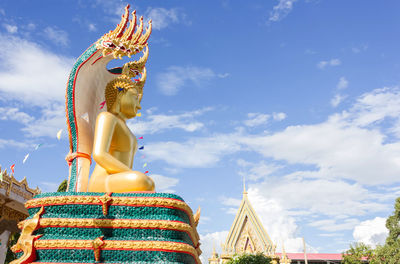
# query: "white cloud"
{"points": [[163, 183], [229, 201], [9, 143], [281, 227], [58, 36], [342, 84], [10, 28], [375, 107], [337, 99], [256, 119], [114, 8], [326, 146], [43, 82], [52, 119], [13, 113], [210, 240], [92, 27], [193, 153], [175, 77], [359, 48], [255, 171], [371, 232], [223, 75], [332, 62], [336, 199], [279, 116], [281, 10], [332, 225], [345, 146], [310, 51], [157, 123], [31, 26], [162, 17], [42, 91]]}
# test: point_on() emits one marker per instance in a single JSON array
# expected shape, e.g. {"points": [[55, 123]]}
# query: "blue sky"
{"points": [[299, 97]]}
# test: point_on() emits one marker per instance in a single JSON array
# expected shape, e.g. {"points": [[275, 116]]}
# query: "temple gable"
{"points": [[247, 234]]}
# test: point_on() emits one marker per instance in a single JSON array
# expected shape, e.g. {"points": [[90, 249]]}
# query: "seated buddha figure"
{"points": [[114, 145]]}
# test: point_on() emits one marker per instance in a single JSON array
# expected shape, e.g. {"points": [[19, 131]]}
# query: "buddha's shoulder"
{"points": [[106, 116]]}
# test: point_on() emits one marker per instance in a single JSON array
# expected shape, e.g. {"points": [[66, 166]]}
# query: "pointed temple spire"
{"points": [[244, 186]]}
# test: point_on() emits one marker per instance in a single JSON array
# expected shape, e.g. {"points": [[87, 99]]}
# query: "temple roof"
{"points": [[313, 256], [247, 230]]}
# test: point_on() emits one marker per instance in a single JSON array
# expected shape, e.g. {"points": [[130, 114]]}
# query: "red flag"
{"points": [[12, 168], [140, 137], [146, 172], [102, 104]]}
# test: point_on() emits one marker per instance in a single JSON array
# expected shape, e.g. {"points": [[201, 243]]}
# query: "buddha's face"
{"points": [[129, 104]]}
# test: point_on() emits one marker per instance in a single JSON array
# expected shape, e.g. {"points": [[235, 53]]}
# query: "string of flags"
{"points": [[26, 157], [12, 167], [143, 156], [59, 134], [38, 146]]}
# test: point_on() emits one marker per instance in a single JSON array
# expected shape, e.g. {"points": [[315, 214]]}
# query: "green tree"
{"points": [[63, 186], [356, 253], [258, 258], [390, 252], [10, 256]]}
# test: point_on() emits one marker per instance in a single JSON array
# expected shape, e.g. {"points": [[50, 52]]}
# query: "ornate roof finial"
{"points": [[214, 253], [284, 258], [244, 186]]}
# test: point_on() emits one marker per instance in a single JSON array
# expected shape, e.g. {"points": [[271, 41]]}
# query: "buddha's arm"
{"points": [[105, 126]]}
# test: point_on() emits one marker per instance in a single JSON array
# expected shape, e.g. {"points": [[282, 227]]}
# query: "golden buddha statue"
{"points": [[114, 145]]}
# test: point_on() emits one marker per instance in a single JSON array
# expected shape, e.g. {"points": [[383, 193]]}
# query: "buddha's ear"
{"points": [[116, 107]]}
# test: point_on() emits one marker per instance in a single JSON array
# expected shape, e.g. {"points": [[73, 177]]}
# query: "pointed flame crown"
{"points": [[124, 41]]}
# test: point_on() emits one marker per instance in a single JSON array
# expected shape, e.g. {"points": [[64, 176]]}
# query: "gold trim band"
{"points": [[127, 201], [119, 245], [120, 223]]}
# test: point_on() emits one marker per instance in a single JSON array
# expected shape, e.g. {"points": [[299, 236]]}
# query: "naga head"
{"points": [[126, 40]]}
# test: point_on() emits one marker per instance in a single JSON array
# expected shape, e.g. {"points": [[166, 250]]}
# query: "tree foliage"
{"points": [[389, 253], [63, 186], [10, 256], [357, 253], [258, 258]]}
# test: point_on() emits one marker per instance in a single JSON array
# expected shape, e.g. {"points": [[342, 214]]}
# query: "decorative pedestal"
{"points": [[81, 227]]}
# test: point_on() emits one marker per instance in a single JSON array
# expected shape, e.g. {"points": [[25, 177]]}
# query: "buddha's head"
{"points": [[123, 96]]}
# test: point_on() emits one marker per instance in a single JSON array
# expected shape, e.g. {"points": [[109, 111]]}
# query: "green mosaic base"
{"points": [[114, 212], [92, 211], [112, 256], [114, 234]]}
